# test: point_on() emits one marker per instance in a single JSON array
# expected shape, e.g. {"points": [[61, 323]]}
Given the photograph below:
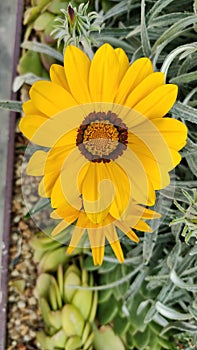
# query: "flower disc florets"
{"points": [[102, 137]]}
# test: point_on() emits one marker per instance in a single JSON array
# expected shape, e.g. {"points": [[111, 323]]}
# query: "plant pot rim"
{"points": [[8, 187]]}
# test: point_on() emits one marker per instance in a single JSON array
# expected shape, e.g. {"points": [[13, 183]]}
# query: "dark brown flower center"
{"points": [[102, 137]]}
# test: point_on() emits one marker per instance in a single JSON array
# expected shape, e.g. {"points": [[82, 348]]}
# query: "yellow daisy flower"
{"points": [[109, 146]]}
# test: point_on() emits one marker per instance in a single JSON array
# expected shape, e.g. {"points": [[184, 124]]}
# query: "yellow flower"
{"points": [[109, 146]]}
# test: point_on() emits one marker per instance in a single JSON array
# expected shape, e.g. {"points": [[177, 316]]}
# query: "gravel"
{"points": [[23, 318]]}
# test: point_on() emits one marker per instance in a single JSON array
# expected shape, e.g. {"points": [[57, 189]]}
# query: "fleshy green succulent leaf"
{"points": [[72, 321], [30, 62], [105, 339], [56, 5], [73, 343], [30, 14], [51, 259], [72, 278], [43, 21], [42, 285], [44, 341], [59, 339], [82, 299], [55, 318], [45, 311]]}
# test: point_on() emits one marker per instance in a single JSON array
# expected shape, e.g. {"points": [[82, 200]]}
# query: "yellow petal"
{"points": [[158, 102], [60, 129], [78, 232], [127, 230], [60, 227], [57, 75], [36, 164], [46, 185], [50, 98], [29, 108], [104, 74], [145, 213], [150, 83], [173, 131], [75, 239], [56, 157], [137, 72], [77, 65], [122, 189], [97, 243], [98, 196], [29, 124], [143, 226], [113, 240], [66, 186], [123, 62], [141, 187], [156, 171], [65, 212]]}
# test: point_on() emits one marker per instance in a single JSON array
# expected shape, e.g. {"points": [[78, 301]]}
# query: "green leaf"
{"points": [[182, 326], [184, 78], [144, 33], [184, 112], [107, 311], [42, 48], [14, 106], [172, 313], [157, 8], [179, 283], [42, 21]]}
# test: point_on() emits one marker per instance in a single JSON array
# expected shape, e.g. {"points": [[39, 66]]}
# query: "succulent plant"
{"points": [[68, 312], [49, 253], [124, 304]]}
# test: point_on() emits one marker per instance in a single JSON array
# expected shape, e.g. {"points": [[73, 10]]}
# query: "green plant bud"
{"points": [[72, 321], [105, 339], [83, 301], [72, 278], [73, 343], [52, 259]]}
